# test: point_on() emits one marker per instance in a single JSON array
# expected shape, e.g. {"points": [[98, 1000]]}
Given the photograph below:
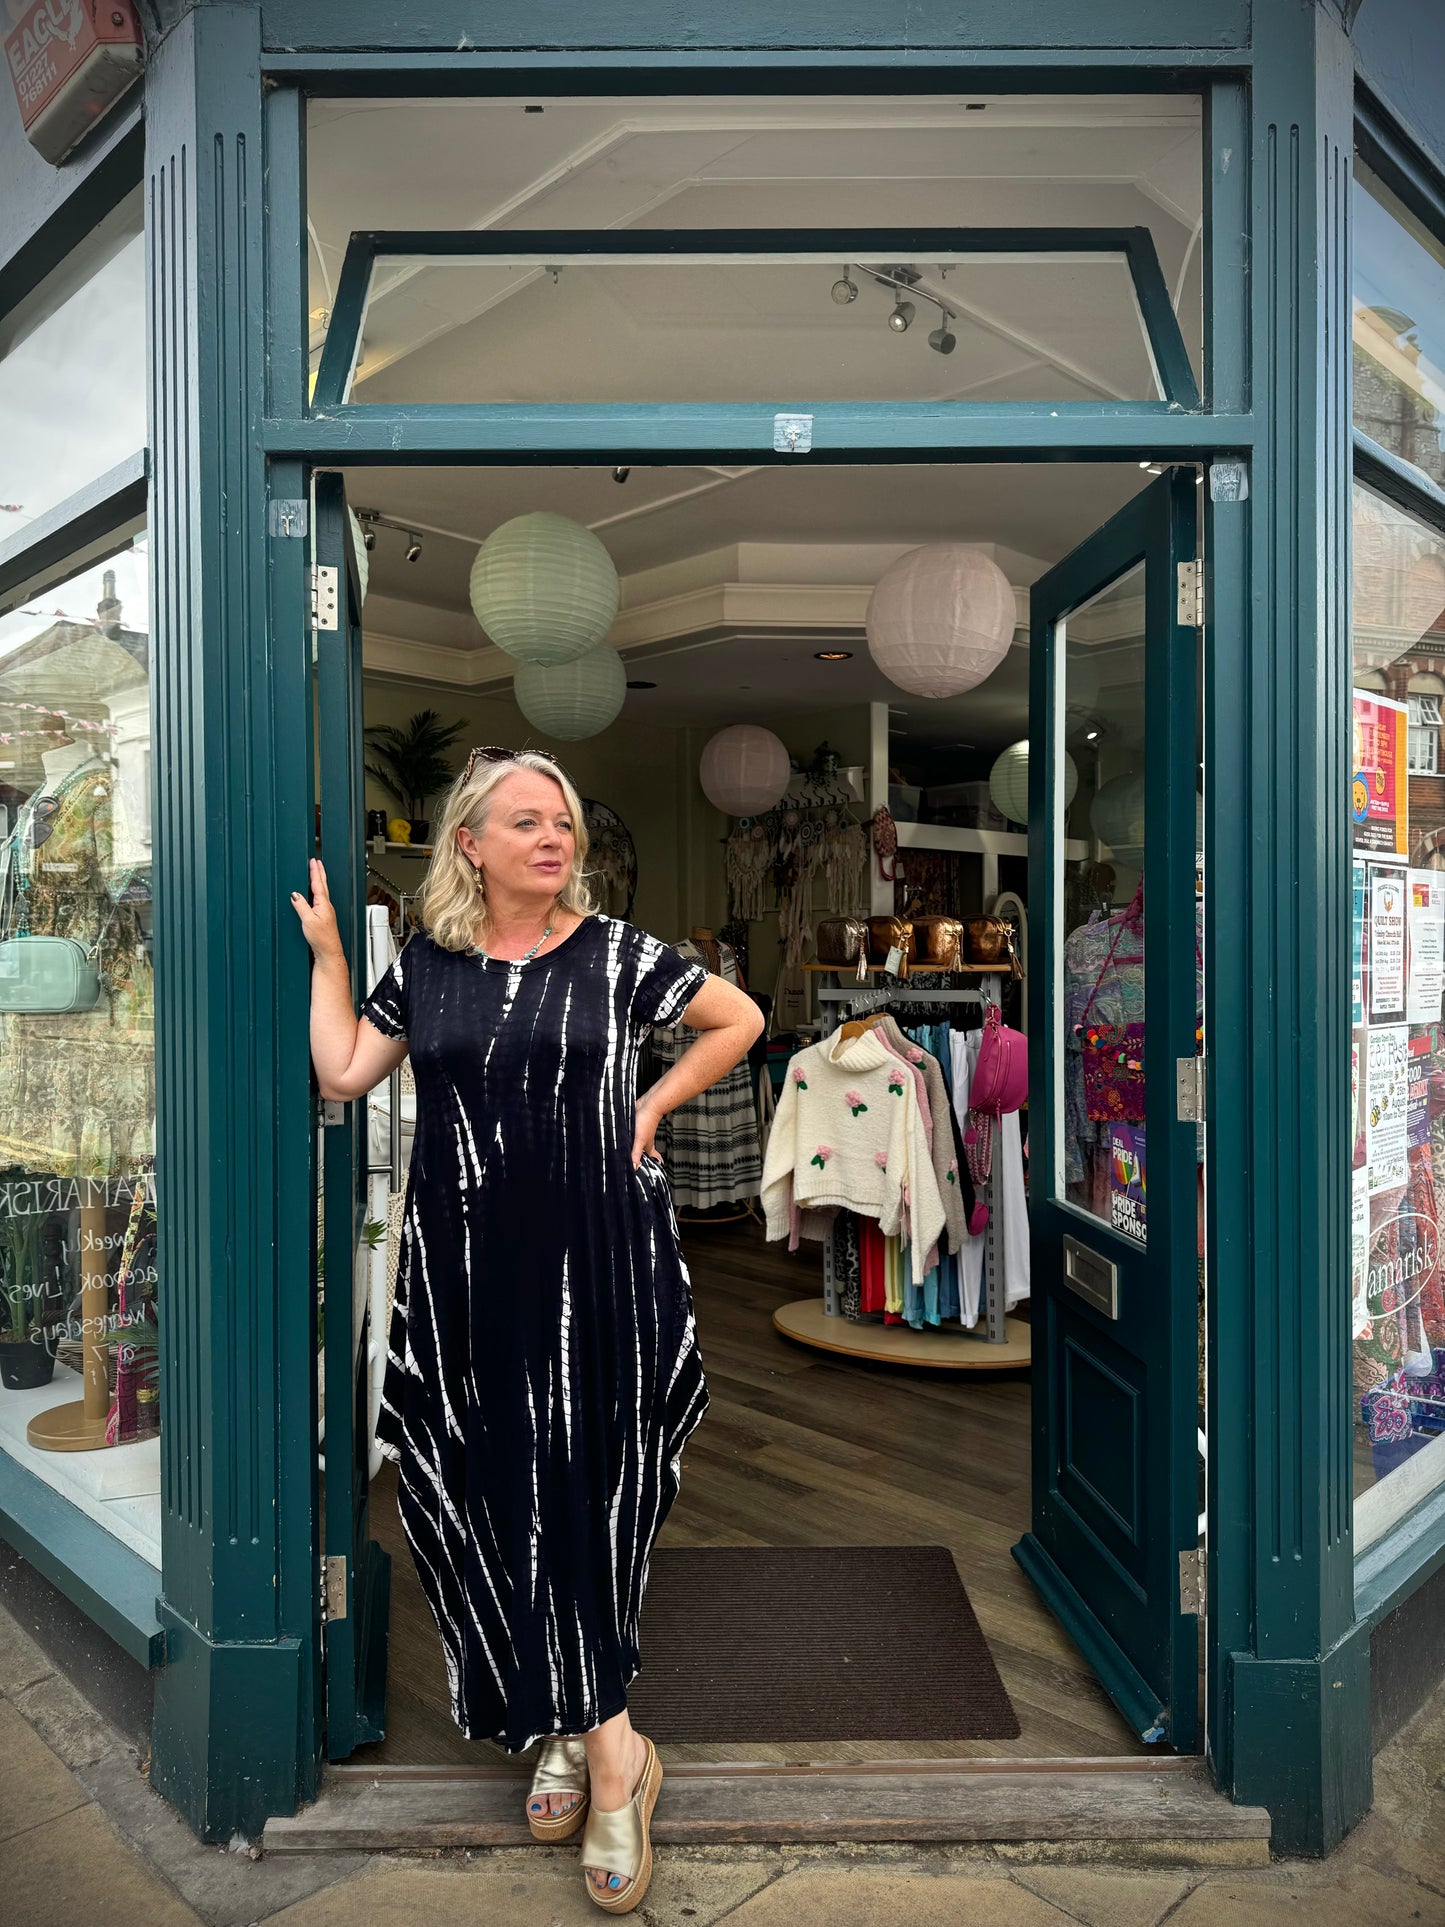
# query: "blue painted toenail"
{"points": [[615, 1881]]}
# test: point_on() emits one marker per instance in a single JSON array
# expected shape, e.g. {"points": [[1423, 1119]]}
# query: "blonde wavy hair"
{"points": [[455, 912]]}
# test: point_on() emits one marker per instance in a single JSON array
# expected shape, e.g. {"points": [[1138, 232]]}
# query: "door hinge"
{"points": [[325, 596], [335, 1570], [1193, 1582], [1189, 1089], [1191, 595], [333, 1111]]}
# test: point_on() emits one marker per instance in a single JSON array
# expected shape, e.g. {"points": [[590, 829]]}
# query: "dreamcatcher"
{"points": [[778, 859], [611, 859]]}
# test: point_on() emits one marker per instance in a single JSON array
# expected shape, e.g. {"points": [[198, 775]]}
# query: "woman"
{"points": [[543, 1372]]}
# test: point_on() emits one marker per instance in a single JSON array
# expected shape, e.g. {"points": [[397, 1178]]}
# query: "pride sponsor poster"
{"points": [[1380, 791]]}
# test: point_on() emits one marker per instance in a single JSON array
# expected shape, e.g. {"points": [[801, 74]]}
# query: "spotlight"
{"points": [[832, 655], [368, 537], [901, 319], [413, 553], [943, 339], [620, 474], [844, 291]]}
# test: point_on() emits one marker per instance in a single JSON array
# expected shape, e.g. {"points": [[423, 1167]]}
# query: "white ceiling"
{"points": [[750, 538]]}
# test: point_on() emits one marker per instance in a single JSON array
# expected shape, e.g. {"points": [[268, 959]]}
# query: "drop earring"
{"points": [[481, 886]]}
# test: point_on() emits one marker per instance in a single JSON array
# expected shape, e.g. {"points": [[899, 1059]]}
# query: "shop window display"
{"points": [[77, 1086], [1398, 979]]}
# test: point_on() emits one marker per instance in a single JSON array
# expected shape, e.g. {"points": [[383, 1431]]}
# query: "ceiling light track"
{"points": [[904, 282]]}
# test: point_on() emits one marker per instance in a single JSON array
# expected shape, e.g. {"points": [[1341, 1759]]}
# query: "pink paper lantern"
{"points": [[941, 619], [744, 769]]}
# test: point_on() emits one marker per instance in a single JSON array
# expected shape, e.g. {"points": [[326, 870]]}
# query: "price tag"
{"points": [[895, 961]]}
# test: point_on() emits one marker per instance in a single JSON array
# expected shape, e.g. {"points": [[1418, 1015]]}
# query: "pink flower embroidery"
{"points": [[915, 1055], [799, 1079], [880, 1158], [895, 1083], [854, 1101], [821, 1156]]}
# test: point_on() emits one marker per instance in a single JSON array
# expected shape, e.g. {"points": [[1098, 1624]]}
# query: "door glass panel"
{"points": [[1399, 327], [700, 328], [1102, 1168], [73, 373]]}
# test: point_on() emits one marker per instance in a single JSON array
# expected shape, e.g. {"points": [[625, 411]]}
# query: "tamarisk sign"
{"points": [[70, 61]]}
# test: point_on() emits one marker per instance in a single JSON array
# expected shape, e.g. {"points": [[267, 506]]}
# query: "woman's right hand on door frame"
{"points": [[318, 916]]}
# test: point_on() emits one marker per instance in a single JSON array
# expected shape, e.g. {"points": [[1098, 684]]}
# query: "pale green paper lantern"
{"points": [[1008, 782], [544, 588], [1117, 817], [570, 700]]}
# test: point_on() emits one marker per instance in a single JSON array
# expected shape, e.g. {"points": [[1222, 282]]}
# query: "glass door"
{"points": [[357, 1572], [1115, 1146]]}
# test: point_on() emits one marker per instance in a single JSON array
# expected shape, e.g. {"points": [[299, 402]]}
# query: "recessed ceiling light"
{"points": [[832, 655], [1092, 737], [642, 685]]}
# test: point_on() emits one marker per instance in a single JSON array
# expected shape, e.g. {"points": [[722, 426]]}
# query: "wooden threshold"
{"points": [[793, 1769], [1168, 1807]]}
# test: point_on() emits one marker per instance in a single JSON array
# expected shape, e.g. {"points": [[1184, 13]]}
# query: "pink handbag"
{"points": [[1000, 1084]]}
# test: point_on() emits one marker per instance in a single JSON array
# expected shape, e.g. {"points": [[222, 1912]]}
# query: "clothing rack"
{"points": [[995, 1321]]}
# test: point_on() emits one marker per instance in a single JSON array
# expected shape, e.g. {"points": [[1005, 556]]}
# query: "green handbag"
{"points": [[47, 975]]}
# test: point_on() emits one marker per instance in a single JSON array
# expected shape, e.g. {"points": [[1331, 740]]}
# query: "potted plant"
{"points": [[27, 1358], [412, 764]]}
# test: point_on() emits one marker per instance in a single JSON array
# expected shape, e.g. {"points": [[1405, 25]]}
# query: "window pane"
{"points": [[77, 1086], [733, 163], [73, 373], [1398, 1054], [1101, 1139], [1399, 328], [805, 327]]}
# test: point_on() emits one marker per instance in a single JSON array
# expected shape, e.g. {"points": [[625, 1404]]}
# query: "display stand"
{"points": [[80, 1425], [998, 1343]]}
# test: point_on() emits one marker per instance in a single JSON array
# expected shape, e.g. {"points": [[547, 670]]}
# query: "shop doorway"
{"points": [[745, 602]]}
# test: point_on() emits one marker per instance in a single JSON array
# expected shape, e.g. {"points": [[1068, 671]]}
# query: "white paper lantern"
{"points": [[1117, 817], [1008, 782], [571, 700], [544, 588], [941, 619], [744, 769]]}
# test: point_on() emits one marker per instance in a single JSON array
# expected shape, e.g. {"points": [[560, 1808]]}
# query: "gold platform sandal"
{"points": [[620, 1841], [561, 1768]]}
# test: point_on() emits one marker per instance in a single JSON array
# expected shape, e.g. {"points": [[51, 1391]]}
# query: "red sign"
{"points": [[69, 61]]}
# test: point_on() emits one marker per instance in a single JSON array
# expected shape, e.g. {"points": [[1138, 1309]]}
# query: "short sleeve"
{"points": [[385, 1008], [666, 984]]}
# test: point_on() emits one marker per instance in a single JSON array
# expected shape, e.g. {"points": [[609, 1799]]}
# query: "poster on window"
{"points": [[1380, 792], [1389, 895], [1427, 946], [1359, 1255], [1387, 1104], [1359, 877], [1126, 1181]]}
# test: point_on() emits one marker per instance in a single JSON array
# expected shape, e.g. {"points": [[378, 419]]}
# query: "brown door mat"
{"points": [[802, 1643]]}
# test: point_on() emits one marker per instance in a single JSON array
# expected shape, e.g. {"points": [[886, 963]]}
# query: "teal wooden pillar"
{"points": [[236, 1719], [1289, 1671]]}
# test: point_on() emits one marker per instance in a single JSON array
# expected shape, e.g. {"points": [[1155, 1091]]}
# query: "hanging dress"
{"points": [[543, 1373], [710, 1145]]}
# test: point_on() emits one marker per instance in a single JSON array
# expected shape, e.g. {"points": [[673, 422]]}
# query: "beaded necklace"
{"points": [[477, 950]]}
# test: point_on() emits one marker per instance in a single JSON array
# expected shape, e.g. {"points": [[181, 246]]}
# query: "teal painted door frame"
{"points": [[238, 1729]]}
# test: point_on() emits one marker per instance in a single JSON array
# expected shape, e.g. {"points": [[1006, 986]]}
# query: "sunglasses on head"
{"points": [[494, 753]]}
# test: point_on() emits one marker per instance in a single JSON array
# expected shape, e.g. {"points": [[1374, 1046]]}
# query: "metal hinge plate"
{"points": [[1193, 1582], [325, 596], [1191, 595], [335, 1587], [1189, 1089], [793, 434], [333, 1111]]}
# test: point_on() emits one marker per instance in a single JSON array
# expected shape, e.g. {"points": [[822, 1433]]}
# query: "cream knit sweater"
{"points": [[849, 1132]]}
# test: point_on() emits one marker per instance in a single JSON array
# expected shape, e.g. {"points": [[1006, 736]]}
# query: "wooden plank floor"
{"points": [[804, 1448]]}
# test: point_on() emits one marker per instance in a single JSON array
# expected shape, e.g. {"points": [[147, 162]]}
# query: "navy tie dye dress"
{"points": [[543, 1372]]}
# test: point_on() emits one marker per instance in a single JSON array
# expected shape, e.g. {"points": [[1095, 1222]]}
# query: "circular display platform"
{"points": [[806, 1321]]}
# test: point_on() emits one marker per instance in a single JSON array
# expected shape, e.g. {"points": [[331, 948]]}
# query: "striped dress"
{"points": [[543, 1373]]}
